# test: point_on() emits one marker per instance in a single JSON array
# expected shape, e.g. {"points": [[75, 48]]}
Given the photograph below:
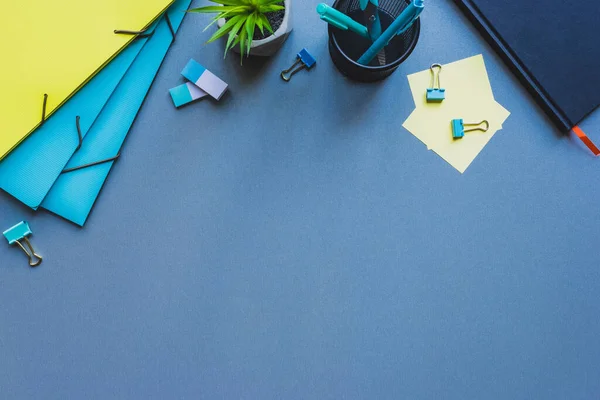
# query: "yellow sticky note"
{"points": [[469, 97], [54, 47], [426, 123], [437, 133], [464, 81]]}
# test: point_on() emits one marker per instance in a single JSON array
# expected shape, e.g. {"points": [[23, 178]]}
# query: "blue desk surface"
{"points": [[289, 243]]}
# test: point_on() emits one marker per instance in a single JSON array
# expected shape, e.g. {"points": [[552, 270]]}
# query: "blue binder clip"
{"points": [[303, 57], [458, 127], [18, 234], [435, 94]]}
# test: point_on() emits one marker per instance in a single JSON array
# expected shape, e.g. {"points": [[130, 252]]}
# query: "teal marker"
{"points": [[371, 10], [341, 20], [400, 25]]}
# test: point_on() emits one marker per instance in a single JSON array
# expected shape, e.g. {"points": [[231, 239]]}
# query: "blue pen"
{"points": [[400, 25], [341, 20]]}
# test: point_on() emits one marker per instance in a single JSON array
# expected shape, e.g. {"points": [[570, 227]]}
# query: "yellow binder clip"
{"points": [[18, 234]]}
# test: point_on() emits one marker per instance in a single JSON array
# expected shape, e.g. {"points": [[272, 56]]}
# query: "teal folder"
{"points": [[31, 169], [74, 193]]}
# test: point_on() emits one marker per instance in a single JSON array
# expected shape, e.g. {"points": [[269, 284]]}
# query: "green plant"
{"points": [[242, 18]]}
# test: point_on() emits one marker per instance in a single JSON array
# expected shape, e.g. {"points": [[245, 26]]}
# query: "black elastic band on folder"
{"points": [[170, 26], [140, 34], [67, 170], [44, 107], [78, 133], [143, 34]]}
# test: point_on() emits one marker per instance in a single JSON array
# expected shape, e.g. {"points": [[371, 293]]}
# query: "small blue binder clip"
{"points": [[303, 57], [19, 233], [458, 128], [435, 94]]}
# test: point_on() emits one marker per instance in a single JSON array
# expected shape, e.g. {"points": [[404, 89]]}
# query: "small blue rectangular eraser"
{"points": [[204, 79], [17, 232], [186, 93], [193, 70], [458, 129], [436, 95]]}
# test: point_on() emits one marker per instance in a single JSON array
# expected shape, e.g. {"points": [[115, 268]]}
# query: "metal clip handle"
{"points": [[286, 75], [477, 127], [34, 258], [436, 69]]}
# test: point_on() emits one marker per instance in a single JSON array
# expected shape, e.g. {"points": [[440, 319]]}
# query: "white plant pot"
{"points": [[269, 45]]}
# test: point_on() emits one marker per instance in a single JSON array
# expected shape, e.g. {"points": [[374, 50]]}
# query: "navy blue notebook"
{"points": [[553, 46]]}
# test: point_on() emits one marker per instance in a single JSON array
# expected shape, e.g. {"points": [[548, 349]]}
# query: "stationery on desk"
{"points": [[75, 191], [341, 21], [371, 11], [30, 170], [435, 93], [186, 93], [470, 98], [66, 43], [408, 16], [84, 118], [552, 47], [204, 79], [460, 127], [19, 235], [304, 60]]}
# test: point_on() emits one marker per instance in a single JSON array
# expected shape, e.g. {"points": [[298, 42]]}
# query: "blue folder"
{"points": [[74, 193], [31, 169]]}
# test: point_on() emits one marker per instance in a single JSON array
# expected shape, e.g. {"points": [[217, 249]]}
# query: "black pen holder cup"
{"points": [[345, 47]]}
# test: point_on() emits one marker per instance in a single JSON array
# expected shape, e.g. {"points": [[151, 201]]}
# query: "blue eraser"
{"points": [[193, 70], [458, 129], [186, 93], [204, 79], [436, 95], [307, 58], [17, 232]]}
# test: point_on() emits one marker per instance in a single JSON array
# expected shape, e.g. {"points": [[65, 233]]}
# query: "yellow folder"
{"points": [[53, 47]]}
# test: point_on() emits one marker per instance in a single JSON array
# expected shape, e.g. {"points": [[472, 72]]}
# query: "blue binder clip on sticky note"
{"points": [[435, 94], [186, 93], [204, 79], [20, 233], [305, 59], [458, 127]]}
